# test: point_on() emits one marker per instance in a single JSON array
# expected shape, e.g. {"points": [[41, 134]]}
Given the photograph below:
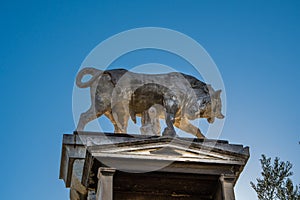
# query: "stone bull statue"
{"points": [[119, 94]]}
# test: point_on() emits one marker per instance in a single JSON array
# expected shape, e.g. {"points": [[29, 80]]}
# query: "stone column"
{"points": [[77, 190], [105, 183], [227, 184]]}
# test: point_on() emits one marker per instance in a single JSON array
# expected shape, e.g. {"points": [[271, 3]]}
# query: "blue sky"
{"points": [[255, 45]]}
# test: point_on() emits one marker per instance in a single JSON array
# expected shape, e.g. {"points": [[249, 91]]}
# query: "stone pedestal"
{"points": [[99, 166]]}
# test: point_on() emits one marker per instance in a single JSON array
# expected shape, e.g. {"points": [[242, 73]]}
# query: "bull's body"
{"points": [[112, 91], [148, 96]]}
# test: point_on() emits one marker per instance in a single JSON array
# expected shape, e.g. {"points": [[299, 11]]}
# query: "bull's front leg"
{"points": [[185, 125], [169, 130]]}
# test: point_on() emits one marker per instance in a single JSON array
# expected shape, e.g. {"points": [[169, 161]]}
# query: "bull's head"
{"points": [[210, 106]]}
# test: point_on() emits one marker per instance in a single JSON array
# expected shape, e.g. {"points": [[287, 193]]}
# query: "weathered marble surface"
{"points": [[112, 94]]}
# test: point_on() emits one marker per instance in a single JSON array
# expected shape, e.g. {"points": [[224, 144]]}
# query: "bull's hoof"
{"points": [[199, 135], [169, 132]]}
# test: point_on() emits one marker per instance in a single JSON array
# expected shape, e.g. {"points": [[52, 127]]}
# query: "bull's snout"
{"points": [[220, 116]]}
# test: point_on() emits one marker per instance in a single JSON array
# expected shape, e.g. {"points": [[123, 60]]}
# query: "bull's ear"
{"points": [[218, 93]]}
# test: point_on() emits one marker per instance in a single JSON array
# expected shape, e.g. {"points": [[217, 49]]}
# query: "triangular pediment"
{"points": [[169, 149]]}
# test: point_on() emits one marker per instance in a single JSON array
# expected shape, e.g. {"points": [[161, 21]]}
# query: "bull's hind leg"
{"points": [[109, 115], [186, 126], [85, 118]]}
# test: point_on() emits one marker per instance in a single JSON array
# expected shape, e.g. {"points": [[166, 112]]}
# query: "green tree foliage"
{"points": [[275, 183]]}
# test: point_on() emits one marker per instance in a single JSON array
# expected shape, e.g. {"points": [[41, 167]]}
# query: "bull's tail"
{"points": [[95, 73]]}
